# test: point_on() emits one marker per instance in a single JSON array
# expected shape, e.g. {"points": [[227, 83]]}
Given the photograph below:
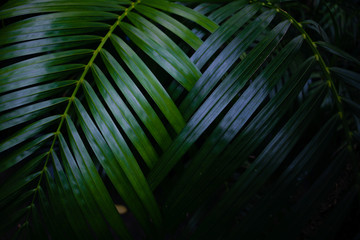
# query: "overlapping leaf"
{"points": [[185, 119]]}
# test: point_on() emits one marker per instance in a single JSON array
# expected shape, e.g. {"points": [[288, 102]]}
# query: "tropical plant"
{"points": [[207, 120]]}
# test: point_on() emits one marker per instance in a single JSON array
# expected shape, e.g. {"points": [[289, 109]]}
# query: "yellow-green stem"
{"points": [[329, 81], [73, 95], [323, 67]]}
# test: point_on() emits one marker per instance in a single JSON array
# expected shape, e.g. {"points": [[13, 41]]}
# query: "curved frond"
{"points": [[182, 113]]}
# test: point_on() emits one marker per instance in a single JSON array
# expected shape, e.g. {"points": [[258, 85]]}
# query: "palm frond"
{"points": [[184, 113]]}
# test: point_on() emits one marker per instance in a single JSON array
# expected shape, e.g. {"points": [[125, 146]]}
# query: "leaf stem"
{"points": [[330, 83], [323, 66], [73, 95]]}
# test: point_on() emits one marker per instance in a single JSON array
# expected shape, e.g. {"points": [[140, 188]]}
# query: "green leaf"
{"points": [[125, 118], [68, 201], [183, 12], [27, 132], [110, 163], [81, 192], [27, 113], [261, 169], [234, 120], [137, 100], [167, 59], [150, 83], [349, 77], [171, 24], [219, 67], [334, 50], [45, 45], [214, 104], [200, 118], [94, 181], [30, 95], [23, 152]]}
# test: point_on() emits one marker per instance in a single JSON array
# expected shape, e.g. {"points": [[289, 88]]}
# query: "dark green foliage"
{"points": [[202, 119]]}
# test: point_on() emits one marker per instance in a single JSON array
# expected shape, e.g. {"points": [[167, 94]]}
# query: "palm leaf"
{"points": [[184, 113]]}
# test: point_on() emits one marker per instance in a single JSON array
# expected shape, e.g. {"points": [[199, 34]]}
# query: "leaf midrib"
{"points": [[326, 72], [73, 95]]}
